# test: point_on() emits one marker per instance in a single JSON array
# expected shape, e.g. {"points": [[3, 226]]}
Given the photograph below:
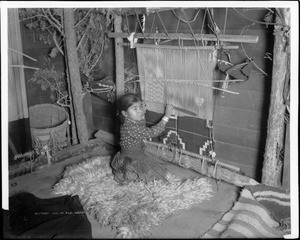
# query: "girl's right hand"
{"points": [[169, 110]]}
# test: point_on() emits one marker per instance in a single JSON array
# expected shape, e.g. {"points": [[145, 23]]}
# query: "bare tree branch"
{"points": [[83, 18], [57, 44], [54, 19], [83, 36], [52, 23]]}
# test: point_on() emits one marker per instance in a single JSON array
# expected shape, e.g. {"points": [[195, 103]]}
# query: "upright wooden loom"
{"points": [[202, 164]]}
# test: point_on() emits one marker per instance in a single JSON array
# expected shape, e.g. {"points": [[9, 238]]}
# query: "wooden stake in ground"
{"points": [[73, 66], [272, 166]]}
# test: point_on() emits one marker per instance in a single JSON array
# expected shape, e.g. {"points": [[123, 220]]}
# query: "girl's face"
{"points": [[135, 111]]}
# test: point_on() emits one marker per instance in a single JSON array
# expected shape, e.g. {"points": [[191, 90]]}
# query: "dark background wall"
{"points": [[239, 122]]}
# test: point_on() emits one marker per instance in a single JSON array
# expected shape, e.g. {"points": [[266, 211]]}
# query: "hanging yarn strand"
{"points": [[225, 20], [163, 24], [127, 22], [139, 22], [187, 21], [152, 23], [244, 51]]}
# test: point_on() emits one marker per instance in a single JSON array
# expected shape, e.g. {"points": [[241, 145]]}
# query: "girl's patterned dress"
{"points": [[132, 162]]}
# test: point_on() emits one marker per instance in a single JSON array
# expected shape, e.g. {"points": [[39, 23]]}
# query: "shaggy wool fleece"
{"points": [[134, 209]]}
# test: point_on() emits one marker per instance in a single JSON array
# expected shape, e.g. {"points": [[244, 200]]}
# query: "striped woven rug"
{"points": [[251, 217]]}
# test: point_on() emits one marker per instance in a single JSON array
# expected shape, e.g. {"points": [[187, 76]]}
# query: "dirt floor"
{"points": [[190, 223]]}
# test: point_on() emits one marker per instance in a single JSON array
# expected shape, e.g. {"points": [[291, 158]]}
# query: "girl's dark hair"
{"points": [[124, 102]]}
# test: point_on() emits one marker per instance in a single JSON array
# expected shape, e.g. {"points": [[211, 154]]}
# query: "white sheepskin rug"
{"points": [[134, 209]]}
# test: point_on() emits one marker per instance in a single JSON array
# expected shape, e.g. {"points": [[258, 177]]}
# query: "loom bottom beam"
{"points": [[194, 155], [205, 167]]}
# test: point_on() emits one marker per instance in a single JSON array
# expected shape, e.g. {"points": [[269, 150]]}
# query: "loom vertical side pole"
{"points": [[119, 56], [272, 166]]}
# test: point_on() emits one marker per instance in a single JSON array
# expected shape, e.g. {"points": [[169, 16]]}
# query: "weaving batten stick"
{"points": [[219, 89], [182, 80], [221, 173]]}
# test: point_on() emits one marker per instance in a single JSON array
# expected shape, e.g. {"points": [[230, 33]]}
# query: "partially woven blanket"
{"points": [[260, 212], [132, 209], [166, 74]]}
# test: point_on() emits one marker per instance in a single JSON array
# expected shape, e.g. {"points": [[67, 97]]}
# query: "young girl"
{"points": [[132, 162]]}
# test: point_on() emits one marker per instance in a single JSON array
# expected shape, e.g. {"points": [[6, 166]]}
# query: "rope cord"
{"points": [[225, 21], [135, 27], [175, 156], [177, 135], [202, 165], [128, 30], [244, 51], [202, 27], [158, 147], [190, 27], [180, 44], [177, 26], [179, 160], [163, 24], [139, 22], [152, 23], [214, 23], [265, 23], [187, 21], [215, 169]]}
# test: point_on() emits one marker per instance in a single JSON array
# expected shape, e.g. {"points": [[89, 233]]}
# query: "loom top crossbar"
{"points": [[177, 47], [189, 36]]}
